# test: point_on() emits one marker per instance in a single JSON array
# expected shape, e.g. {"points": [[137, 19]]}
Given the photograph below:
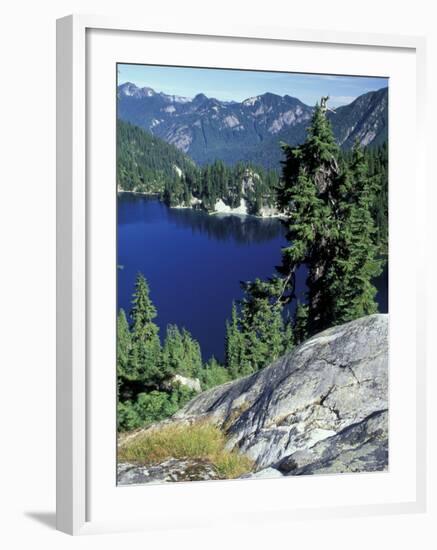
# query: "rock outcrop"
{"points": [[179, 380], [322, 408], [360, 447], [172, 469]]}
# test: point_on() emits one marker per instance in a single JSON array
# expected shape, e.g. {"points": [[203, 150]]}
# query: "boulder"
{"points": [[172, 469], [360, 447], [333, 381], [179, 380], [321, 408]]}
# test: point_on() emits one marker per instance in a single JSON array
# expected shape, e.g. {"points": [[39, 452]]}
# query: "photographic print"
{"points": [[252, 274]]}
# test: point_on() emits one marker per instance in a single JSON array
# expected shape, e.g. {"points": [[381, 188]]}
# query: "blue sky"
{"points": [[238, 85]]}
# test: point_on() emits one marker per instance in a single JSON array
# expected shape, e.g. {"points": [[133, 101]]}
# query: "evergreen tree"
{"points": [[234, 345], [142, 367], [192, 355], [309, 196], [181, 353], [356, 263], [378, 172], [329, 200], [300, 329], [124, 345], [214, 374], [376, 160], [266, 335], [145, 356], [259, 334]]}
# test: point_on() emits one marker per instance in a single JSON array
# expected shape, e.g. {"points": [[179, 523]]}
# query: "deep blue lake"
{"points": [[194, 263]]}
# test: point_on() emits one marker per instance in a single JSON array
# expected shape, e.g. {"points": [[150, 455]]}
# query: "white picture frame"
{"points": [[76, 241]]}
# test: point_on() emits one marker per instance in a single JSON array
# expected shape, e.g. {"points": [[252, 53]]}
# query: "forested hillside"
{"points": [[147, 164]]}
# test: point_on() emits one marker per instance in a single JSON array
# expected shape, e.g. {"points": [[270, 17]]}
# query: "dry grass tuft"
{"points": [[201, 440]]}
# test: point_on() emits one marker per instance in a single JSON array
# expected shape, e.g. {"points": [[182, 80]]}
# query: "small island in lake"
{"points": [[252, 277]]}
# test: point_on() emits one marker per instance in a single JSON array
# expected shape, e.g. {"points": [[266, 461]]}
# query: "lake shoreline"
{"points": [[213, 213]]}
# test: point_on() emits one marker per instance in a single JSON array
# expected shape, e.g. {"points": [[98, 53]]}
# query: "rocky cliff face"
{"points": [[365, 120], [322, 408]]}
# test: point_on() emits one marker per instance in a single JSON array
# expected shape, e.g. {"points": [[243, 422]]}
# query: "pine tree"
{"points": [[379, 175], [300, 329], [307, 194], [266, 335], [172, 351], [181, 353], [214, 374], [124, 345], [192, 355], [146, 348], [126, 376], [234, 345], [356, 263]]}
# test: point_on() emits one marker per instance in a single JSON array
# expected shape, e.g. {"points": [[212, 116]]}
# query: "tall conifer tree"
{"points": [[181, 353], [356, 262], [234, 345], [308, 197], [146, 348], [263, 326], [124, 345]]}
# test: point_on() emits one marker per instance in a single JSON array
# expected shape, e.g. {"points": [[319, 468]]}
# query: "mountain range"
{"points": [[207, 129]]}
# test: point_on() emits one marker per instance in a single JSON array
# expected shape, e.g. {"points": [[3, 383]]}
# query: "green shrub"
{"points": [[151, 407], [127, 416]]}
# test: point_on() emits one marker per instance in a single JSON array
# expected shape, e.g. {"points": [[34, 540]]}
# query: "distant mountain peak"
{"points": [[250, 101], [129, 89], [132, 90], [272, 99], [200, 98], [250, 130]]}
